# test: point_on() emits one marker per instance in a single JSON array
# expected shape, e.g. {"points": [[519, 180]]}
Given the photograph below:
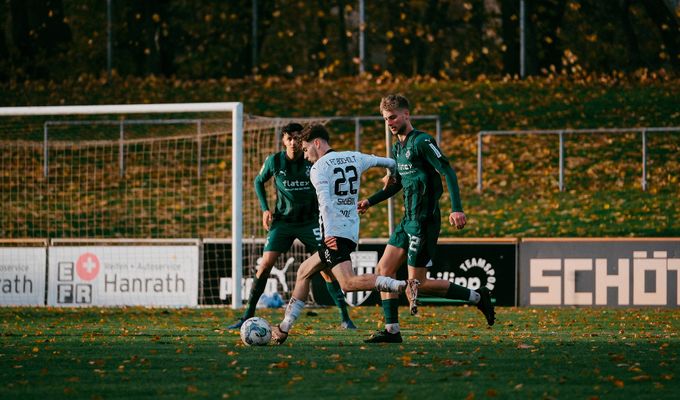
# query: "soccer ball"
{"points": [[256, 332]]}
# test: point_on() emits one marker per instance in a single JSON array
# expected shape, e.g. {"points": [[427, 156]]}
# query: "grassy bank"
{"points": [[603, 195]]}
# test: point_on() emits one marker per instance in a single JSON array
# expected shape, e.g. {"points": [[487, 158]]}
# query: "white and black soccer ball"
{"points": [[256, 332]]}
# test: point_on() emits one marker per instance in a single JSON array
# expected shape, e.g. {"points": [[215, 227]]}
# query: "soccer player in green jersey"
{"points": [[420, 164], [296, 216]]}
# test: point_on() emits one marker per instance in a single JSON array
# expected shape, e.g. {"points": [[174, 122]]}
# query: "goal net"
{"points": [[146, 204]]}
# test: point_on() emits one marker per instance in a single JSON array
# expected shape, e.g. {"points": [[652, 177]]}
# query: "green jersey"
{"points": [[420, 165], [295, 196]]}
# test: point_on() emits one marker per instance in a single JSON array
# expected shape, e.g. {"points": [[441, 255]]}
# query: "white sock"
{"points": [[392, 328], [387, 284], [293, 311], [474, 296]]}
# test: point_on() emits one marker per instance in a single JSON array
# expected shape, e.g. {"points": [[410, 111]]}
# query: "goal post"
{"points": [[237, 206], [236, 110], [76, 175]]}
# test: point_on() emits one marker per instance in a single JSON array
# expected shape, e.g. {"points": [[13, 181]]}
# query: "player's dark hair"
{"points": [[290, 128], [394, 102], [315, 132]]}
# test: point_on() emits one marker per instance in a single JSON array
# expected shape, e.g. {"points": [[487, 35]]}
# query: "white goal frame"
{"points": [[236, 108]]}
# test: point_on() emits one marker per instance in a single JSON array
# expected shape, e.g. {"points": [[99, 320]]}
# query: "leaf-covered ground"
{"points": [[448, 352]]}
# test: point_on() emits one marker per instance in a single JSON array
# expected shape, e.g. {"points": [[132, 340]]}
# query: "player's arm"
{"points": [[369, 161], [392, 187], [432, 154], [265, 174]]}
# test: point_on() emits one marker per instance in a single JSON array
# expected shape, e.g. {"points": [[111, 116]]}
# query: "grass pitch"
{"points": [[448, 352]]}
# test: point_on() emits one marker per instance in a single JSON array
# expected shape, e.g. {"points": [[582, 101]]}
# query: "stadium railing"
{"points": [[561, 133]]}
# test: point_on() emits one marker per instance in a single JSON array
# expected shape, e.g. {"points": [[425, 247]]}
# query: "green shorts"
{"points": [[418, 238], [282, 234]]}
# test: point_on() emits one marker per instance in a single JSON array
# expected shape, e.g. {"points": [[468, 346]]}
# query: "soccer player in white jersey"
{"points": [[336, 177]]}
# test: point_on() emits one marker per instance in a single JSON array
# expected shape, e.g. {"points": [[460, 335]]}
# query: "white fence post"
{"points": [[561, 133], [561, 161], [644, 160], [479, 161]]}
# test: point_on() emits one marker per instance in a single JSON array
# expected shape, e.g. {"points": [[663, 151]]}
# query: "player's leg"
{"points": [[343, 271], [411, 240], [339, 258], [297, 301], [421, 258], [350, 282], [338, 297], [419, 254], [443, 288], [310, 235], [303, 279], [279, 240], [259, 284], [354, 283], [393, 257]]}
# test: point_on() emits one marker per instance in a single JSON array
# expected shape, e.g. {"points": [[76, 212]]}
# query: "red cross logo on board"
{"points": [[87, 266]]}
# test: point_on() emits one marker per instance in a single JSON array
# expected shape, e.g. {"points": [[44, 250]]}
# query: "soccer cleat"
{"points": [[348, 324], [411, 290], [486, 306], [237, 324], [278, 335], [384, 337]]}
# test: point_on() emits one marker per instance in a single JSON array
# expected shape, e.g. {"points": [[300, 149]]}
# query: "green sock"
{"points": [[457, 292], [391, 311], [258, 288], [338, 298]]}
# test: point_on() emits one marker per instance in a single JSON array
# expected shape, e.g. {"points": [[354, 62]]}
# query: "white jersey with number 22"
{"points": [[336, 177]]}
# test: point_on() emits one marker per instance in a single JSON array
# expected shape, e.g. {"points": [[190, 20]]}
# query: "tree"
{"points": [[667, 24], [4, 51], [344, 55], [629, 31], [510, 34], [543, 44], [38, 32], [430, 51], [149, 47]]}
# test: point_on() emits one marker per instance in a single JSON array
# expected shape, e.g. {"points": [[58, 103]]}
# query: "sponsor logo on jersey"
{"points": [[341, 160], [296, 184], [346, 202], [434, 148], [404, 167]]}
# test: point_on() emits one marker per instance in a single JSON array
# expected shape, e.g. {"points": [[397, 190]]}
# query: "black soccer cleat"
{"points": [[384, 337], [486, 306], [348, 324], [237, 324]]}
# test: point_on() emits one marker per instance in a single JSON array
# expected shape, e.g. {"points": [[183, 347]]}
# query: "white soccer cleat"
{"points": [[278, 335], [411, 290]]}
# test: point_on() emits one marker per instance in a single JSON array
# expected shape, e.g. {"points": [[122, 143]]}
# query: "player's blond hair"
{"points": [[393, 102]]}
